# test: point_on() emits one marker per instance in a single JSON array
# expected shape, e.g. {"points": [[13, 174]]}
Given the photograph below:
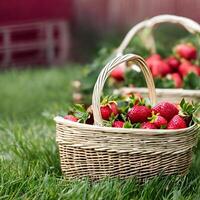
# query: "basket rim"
{"points": [[59, 119], [173, 91]]}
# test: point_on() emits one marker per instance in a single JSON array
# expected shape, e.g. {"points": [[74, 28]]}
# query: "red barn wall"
{"points": [[18, 11], [101, 15], [106, 15]]}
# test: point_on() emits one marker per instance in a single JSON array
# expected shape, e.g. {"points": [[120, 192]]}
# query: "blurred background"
{"points": [[53, 32]]}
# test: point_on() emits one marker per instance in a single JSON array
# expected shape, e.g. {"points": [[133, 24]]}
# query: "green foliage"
{"points": [[192, 81], [167, 36], [134, 78], [190, 110], [80, 112], [136, 46], [163, 83], [91, 71]]}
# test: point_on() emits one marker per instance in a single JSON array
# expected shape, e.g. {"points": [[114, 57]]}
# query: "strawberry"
{"points": [[118, 73], [158, 121], [71, 118], [106, 112], [186, 67], [187, 51], [118, 124], [148, 125], [165, 69], [139, 113], [166, 110], [157, 65], [114, 108], [151, 59], [159, 68], [173, 63], [109, 108], [178, 82], [155, 68], [198, 69], [177, 122], [194, 69]]}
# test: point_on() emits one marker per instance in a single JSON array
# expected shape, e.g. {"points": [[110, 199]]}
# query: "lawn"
{"points": [[29, 159]]}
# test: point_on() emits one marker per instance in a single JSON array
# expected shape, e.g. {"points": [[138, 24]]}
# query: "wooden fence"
{"points": [[34, 43]]}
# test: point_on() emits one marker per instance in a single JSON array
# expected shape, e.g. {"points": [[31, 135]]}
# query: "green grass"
{"points": [[29, 159]]}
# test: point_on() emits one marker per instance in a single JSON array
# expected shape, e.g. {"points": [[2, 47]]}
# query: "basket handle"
{"points": [[104, 74], [190, 25]]}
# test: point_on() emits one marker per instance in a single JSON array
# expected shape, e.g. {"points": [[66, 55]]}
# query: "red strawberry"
{"points": [[139, 113], [173, 63], [196, 69], [155, 68], [187, 51], [148, 125], [71, 118], [176, 122], [186, 67], [106, 112], [178, 82], [114, 108], [166, 110], [165, 69], [159, 68], [151, 59], [159, 121], [118, 73], [118, 124]]}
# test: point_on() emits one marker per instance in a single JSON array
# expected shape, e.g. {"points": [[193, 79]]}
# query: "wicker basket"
{"points": [[190, 25], [96, 152]]}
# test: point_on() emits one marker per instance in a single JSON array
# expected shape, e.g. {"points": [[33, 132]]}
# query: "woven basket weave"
{"points": [[96, 152], [190, 25]]}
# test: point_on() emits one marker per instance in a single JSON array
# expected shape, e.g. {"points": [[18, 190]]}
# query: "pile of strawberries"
{"points": [[133, 111], [175, 67]]}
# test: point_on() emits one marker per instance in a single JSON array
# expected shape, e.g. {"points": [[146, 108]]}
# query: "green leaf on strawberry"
{"points": [[80, 112], [188, 111], [123, 106], [137, 125], [128, 124]]}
